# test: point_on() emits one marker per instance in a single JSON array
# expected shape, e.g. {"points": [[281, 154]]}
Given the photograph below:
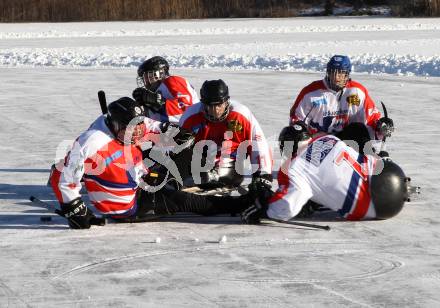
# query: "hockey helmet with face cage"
{"points": [[294, 134], [151, 72], [338, 72], [125, 119], [214, 93]]}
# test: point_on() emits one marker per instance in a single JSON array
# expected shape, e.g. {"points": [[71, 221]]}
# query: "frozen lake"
{"points": [[357, 264]]}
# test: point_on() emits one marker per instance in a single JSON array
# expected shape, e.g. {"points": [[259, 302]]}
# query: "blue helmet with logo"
{"points": [[338, 72], [340, 63]]}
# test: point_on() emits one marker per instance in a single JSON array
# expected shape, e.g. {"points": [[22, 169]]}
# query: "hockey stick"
{"points": [[100, 221], [294, 223], [222, 191], [102, 102], [243, 190], [302, 224], [47, 206], [97, 221], [385, 113]]}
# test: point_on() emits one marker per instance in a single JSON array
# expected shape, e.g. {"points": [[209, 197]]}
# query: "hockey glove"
{"points": [[261, 187], [253, 214], [184, 136], [151, 100], [179, 134], [385, 126], [180, 138], [78, 214], [157, 174]]}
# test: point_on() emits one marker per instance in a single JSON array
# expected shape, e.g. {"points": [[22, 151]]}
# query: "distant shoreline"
{"points": [[138, 10]]}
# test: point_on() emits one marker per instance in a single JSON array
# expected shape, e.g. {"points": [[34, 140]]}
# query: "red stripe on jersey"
{"points": [[283, 181], [372, 114], [316, 85], [361, 170], [113, 170], [93, 186], [107, 207], [181, 96], [215, 131], [363, 199], [54, 182]]}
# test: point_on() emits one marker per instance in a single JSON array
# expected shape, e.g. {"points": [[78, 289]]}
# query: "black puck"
{"points": [[45, 218]]}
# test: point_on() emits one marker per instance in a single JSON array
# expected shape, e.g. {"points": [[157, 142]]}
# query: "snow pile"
{"points": [[302, 44], [216, 31], [182, 28], [364, 63]]}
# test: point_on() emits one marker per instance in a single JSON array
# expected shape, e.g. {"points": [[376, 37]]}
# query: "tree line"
{"points": [[107, 10]]}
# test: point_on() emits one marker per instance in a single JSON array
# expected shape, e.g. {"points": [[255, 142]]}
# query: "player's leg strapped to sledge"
{"points": [[194, 171], [169, 201]]}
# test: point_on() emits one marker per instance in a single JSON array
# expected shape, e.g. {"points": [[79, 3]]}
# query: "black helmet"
{"points": [[213, 92], [151, 72], [389, 190], [294, 133], [121, 112]]}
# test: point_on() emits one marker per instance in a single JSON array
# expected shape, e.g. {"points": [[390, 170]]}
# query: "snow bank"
{"points": [[257, 44], [150, 29], [365, 63]]}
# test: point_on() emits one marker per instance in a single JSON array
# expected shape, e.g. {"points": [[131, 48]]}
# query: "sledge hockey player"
{"points": [[230, 133], [107, 158], [341, 106], [165, 96], [327, 171]]}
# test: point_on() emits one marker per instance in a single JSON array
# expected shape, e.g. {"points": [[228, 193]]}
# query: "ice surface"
{"points": [[356, 264]]}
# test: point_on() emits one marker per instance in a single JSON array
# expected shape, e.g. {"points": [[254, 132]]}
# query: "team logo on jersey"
{"points": [[353, 100], [113, 157], [317, 101], [234, 126]]}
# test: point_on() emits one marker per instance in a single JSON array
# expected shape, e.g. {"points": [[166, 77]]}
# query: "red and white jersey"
{"points": [[327, 172], [325, 110], [110, 170], [238, 134], [179, 95]]}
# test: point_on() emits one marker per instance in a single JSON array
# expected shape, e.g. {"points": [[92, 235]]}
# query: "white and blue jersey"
{"points": [[327, 172]]}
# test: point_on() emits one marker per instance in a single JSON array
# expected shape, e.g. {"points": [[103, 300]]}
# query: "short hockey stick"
{"points": [[302, 224], [98, 221], [102, 101]]}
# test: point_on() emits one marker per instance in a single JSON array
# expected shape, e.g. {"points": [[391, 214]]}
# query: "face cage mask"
{"points": [[219, 119], [129, 134], [151, 79], [333, 83]]}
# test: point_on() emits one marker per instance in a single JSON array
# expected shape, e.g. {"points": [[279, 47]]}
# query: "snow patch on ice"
{"points": [[156, 30], [256, 44], [365, 63]]}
